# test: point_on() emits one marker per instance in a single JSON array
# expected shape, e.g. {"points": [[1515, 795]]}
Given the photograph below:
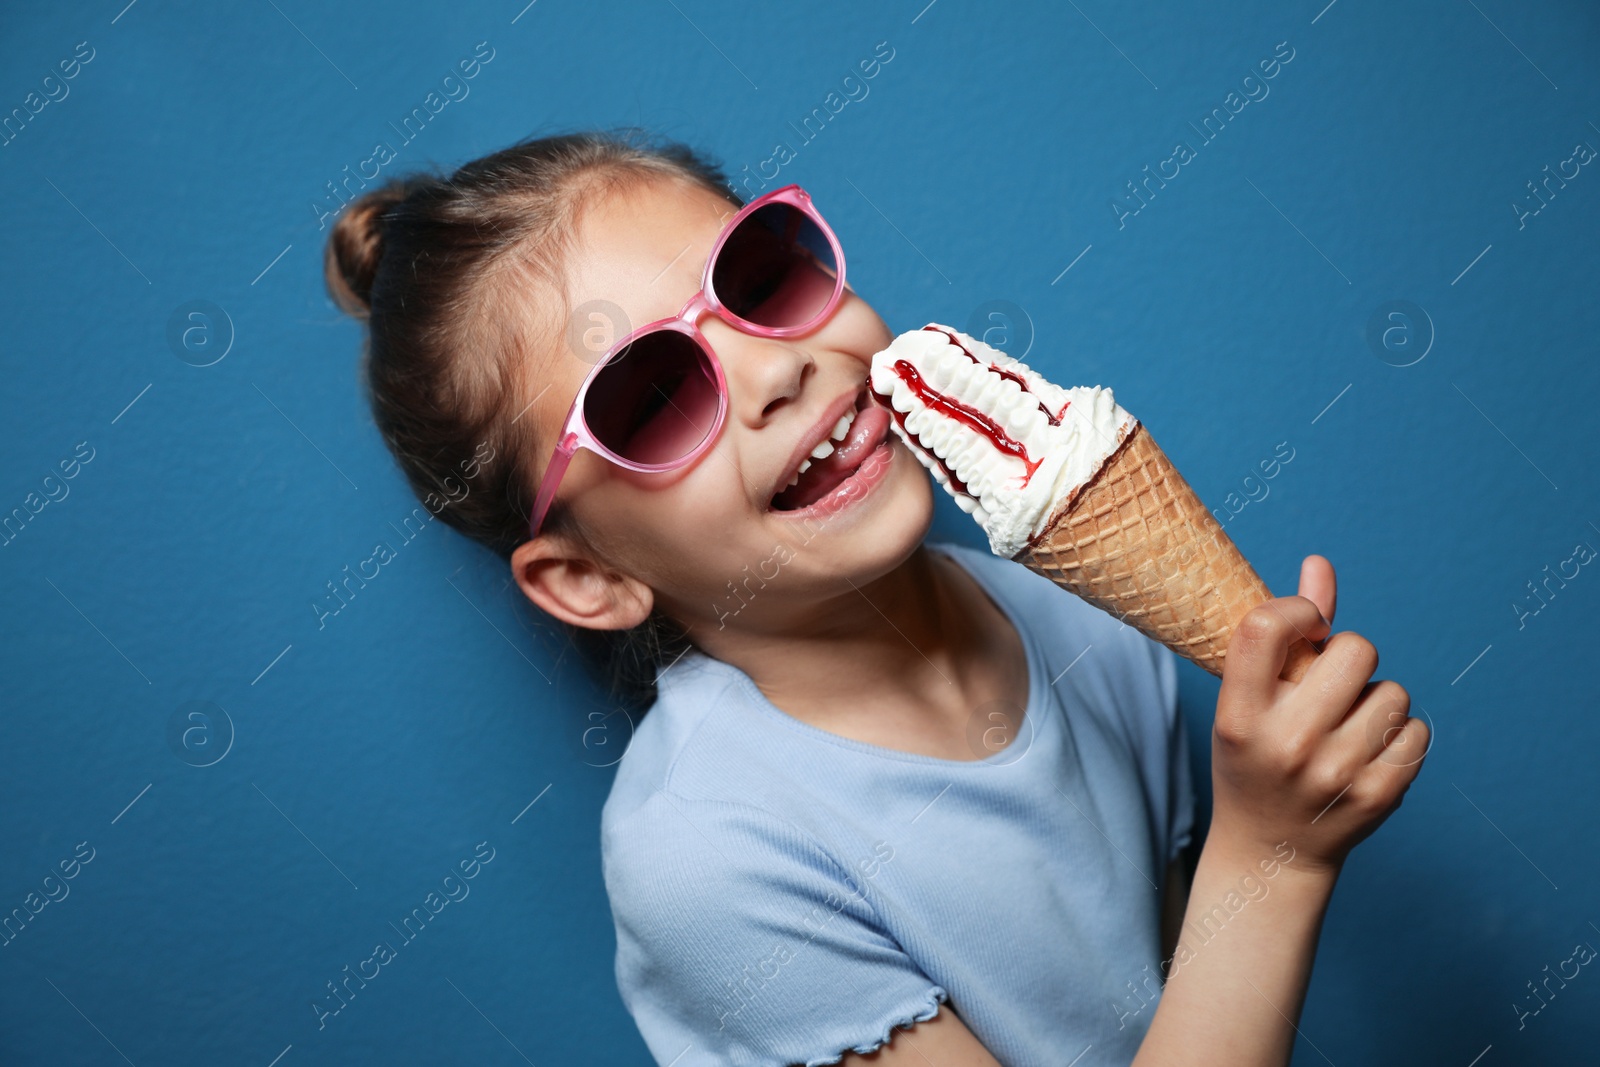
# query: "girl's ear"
{"points": [[576, 589]]}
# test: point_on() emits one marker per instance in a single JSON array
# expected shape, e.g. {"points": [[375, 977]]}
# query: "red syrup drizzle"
{"points": [[1055, 420], [955, 409], [957, 483]]}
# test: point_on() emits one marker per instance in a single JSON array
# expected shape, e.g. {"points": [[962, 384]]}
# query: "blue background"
{"points": [[361, 761]]}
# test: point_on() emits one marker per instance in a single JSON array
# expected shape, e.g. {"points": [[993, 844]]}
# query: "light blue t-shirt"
{"points": [[783, 894]]}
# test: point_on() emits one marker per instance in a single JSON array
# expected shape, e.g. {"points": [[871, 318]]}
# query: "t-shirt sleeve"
{"points": [[740, 940]]}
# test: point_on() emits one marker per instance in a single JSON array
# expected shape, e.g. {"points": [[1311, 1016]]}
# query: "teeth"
{"points": [[826, 447]]}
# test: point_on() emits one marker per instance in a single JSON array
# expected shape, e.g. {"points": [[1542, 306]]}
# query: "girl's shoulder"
{"points": [[708, 743], [656, 743]]}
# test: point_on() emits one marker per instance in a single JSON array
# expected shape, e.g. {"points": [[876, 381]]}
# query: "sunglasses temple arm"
{"points": [[552, 478]]}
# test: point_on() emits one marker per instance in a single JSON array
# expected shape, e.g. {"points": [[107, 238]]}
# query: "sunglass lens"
{"points": [[655, 401], [776, 269]]}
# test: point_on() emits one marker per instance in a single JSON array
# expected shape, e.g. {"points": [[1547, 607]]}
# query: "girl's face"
{"points": [[720, 543]]}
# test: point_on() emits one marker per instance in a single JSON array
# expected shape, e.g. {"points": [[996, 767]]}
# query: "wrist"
{"points": [[1230, 854]]}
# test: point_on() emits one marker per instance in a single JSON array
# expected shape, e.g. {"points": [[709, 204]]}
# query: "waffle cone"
{"points": [[1137, 542]]}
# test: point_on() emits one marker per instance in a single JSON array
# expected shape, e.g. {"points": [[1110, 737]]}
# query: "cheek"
{"points": [[699, 509], [857, 329], [687, 539], [915, 492]]}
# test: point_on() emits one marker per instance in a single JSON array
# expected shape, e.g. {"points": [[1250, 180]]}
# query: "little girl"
{"points": [[889, 798]]}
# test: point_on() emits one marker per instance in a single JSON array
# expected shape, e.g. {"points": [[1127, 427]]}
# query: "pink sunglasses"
{"points": [[657, 399]]}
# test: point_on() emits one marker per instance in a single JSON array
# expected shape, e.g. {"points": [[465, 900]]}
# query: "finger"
{"points": [[1258, 646], [1319, 585], [1339, 679], [1391, 774], [1374, 720], [1407, 748], [1381, 726]]}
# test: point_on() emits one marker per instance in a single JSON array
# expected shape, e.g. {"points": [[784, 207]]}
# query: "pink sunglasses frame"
{"points": [[575, 432]]}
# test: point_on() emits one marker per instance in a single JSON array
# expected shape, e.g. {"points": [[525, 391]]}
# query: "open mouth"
{"points": [[853, 440]]}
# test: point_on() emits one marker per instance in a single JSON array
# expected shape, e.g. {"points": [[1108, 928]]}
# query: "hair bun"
{"points": [[355, 246]]}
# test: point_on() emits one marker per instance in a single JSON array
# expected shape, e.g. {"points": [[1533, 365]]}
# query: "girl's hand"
{"points": [[1318, 763]]}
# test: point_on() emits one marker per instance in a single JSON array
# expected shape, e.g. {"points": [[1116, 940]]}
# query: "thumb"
{"points": [[1319, 585]]}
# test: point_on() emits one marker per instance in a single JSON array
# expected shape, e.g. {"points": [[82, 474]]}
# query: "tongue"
{"points": [[825, 475]]}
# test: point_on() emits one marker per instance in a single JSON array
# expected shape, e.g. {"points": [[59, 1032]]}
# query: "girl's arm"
{"points": [[1301, 773], [1236, 999]]}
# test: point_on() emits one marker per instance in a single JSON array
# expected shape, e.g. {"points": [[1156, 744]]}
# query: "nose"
{"points": [[764, 374]]}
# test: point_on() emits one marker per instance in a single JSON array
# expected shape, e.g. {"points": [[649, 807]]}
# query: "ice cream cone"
{"points": [[1069, 484], [1136, 541]]}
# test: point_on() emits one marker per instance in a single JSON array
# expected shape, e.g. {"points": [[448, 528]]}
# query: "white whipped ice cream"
{"points": [[1009, 446]]}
